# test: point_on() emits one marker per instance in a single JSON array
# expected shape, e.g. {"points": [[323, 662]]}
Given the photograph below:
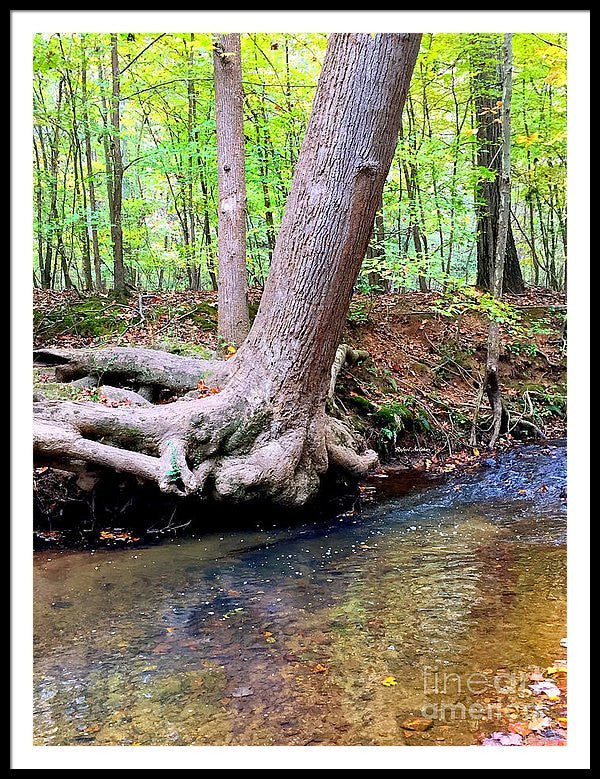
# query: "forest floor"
{"points": [[414, 399]]}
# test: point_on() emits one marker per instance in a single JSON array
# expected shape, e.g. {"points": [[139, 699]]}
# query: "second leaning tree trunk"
{"points": [[229, 100], [266, 434]]}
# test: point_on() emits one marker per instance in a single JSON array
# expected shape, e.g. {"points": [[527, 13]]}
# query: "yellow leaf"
{"points": [[557, 76], [389, 681]]}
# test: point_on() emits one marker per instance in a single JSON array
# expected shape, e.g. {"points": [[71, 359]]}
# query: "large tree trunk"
{"points": [[229, 100], [485, 55], [266, 434]]}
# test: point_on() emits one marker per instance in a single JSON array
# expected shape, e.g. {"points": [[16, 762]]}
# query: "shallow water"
{"points": [[286, 635]]}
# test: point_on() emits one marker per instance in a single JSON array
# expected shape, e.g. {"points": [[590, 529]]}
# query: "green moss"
{"points": [[394, 415], [244, 435], [89, 318], [56, 391], [204, 316], [184, 348], [363, 403]]}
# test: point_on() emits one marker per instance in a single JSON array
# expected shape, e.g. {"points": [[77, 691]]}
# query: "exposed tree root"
{"points": [[232, 445], [345, 355], [119, 366]]}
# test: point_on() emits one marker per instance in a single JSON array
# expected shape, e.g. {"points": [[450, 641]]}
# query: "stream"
{"points": [[336, 631]]}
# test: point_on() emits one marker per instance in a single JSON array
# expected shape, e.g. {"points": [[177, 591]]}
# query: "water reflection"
{"points": [[284, 636]]}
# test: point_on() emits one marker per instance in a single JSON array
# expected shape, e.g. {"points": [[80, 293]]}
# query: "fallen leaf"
{"points": [[500, 739], [520, 727], [389, 681], [546, 688], [539, 723], [417, 723]]}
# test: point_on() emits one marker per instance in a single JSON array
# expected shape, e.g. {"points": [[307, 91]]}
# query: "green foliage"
{"points": [[393, 419], [547, 401], [460, 299], [174, 472], [358, 314], [426, 226], [528, 348]]}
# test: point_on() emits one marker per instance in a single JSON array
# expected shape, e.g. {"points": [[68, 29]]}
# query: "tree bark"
{"points": [[208, 244], [54, 155], [192, 158], [492, 383], [234, 322], [117, 174], [488, 97], [266, 434], [90, 177], [78, 174], [44, 283]]}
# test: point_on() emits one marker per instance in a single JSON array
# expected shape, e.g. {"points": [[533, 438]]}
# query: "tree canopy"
{"points": [[425, 232]]}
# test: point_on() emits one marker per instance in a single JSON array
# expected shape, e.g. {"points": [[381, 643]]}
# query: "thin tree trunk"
{"points": [[234, 322], [485, 60], [192, 156], [210, 259], [54, 155], [90, 180], [264, 177], [492, 383], [78, 177], [414, 228], [117, 174], [38, 203]]}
